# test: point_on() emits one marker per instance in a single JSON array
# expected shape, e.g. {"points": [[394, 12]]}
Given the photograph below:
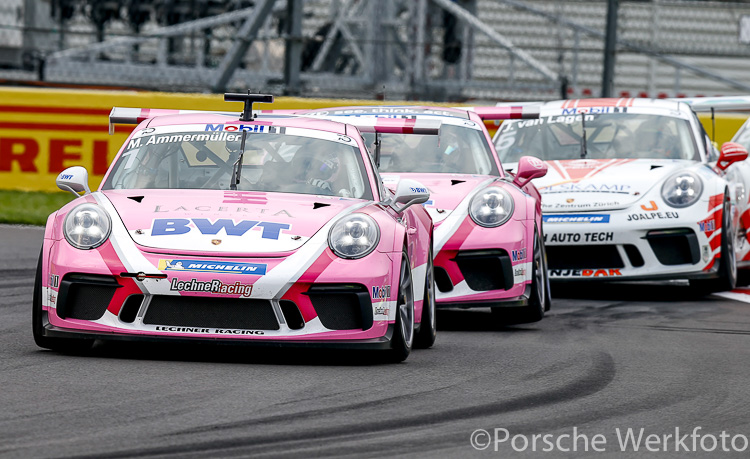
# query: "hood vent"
{"points": [[456, 182], [136, 198], [318, 205]]}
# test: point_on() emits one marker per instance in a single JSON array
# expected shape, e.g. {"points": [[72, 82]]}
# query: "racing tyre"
{"points": [[403, 334], [66, 345], [425, 337], [539, 301], [727, 279]]}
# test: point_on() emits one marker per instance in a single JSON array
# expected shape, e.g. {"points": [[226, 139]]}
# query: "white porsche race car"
{"points": [[635, 190]]}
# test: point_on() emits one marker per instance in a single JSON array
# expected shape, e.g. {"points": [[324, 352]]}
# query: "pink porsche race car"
{"points": [[271, 230], [488, 245]]}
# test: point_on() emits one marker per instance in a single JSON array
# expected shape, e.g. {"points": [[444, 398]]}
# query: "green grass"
{"points": [[30, 207]]}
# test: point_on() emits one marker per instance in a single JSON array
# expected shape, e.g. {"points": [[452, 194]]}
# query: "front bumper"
{"points": [[332, 301], [678, 246], [484, 267]]}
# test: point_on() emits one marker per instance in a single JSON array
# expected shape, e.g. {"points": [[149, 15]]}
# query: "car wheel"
{"points": [[403, 334], [727, 279], [428, 327], [539, 300], [67, 345]]}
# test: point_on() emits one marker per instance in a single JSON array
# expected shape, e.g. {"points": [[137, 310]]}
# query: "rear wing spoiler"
{"points": [[717, 104], [126, 115], [378, 124], [501, 111]]}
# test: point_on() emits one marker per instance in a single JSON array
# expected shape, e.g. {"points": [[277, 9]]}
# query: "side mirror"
{"points": [[408, 193], [74, 179], [529, 168], [731, 153]]}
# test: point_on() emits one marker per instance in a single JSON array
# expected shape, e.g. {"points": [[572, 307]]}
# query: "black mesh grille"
{"points": [[88, 302], [634, 255], [674, 247], [583, 257], [486, 270], [292, 315], [442, 279], [337, 310], [130, 308], [196, 311]]}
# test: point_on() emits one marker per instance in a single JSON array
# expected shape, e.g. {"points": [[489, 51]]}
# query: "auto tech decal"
{"points": [[202, 266]]}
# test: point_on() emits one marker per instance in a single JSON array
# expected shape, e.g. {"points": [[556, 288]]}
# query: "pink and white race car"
{"points": [[269, 230], [488, 245]]}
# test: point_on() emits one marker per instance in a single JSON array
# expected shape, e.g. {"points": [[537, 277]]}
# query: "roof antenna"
{"points": [[248, 99]]}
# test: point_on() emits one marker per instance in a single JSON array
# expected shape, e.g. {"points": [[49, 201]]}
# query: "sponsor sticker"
{"points": [[381, 293], [578, 237], [202, 266], [576, 218], [54, 280], [585, 272], [213, 286], [652, 216], [707, 225], [518, 255], [217, 331], [177, 226]]}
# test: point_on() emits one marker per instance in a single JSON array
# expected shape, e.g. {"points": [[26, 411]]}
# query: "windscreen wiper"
{"points": [[237, 166], [584, 148]]}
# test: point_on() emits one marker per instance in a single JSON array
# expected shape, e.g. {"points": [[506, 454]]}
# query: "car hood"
{"points": [[217, 221], [446, 190], [602, 184]]}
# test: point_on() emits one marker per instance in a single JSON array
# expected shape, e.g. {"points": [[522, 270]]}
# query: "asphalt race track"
{"points": [[649, 357]]}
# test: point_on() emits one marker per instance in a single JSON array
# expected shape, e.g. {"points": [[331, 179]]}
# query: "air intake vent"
{"points": [[200, 311]]}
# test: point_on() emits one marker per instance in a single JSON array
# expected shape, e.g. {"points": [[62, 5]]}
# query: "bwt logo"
{"points": [[418, 190], [379, 293], [235, 127], [518, 255], [66, 177], [177, 226]]}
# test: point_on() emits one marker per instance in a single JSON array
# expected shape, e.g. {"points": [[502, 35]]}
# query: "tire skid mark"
{"points": [[17, 273], [722, 331], [600, 374], [4, 285]]}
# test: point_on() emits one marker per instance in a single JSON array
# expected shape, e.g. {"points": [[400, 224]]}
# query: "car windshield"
{"points": [[458, 150], [306, 162], [620, 135]]}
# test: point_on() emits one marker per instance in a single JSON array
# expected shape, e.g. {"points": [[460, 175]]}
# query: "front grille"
{"points": [[130, 308], [201, 311], [442, 279], [486, 269], [292, 314], [88, 302], [583, 257], [634, 255], [674, 247], [342, 307], [85, 297]]}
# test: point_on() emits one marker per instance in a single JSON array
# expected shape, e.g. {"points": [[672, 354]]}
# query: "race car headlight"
{"points": [[491, 207], [87, 226], [682, 189], [354, 236]]}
